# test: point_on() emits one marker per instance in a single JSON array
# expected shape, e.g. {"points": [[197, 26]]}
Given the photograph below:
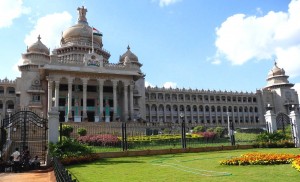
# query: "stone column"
{"points": [[295, 123], [84, 86], [70, 83], [131, 101], [115, 98], [50, 84], [125, 102], [53, 124], [101, 83], [56, 93], [270, 118]]}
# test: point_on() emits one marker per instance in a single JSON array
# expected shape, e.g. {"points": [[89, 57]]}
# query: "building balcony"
{"points": [[35, 104], [35, 89]]}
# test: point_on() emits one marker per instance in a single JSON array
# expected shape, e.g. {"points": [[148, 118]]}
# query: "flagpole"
{"points": [[92, 39]]}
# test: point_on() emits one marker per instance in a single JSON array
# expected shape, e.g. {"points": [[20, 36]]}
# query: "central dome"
{"points": [[276, 71], [81, 33]]}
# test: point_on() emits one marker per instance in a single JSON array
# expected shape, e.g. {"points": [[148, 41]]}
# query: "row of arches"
{"points": [[199, 98], [7, 90], [200, 108], [204, 114], [4, 105]]}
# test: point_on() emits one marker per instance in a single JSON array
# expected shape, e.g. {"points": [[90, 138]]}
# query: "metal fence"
{"points": [[118, 136], [61, 173]]}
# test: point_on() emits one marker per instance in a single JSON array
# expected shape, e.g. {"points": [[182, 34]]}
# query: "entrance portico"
{"points": [[87, 98]]}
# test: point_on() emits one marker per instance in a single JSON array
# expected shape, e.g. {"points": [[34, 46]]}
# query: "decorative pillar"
{"points": [[50, 83], [84, 86], [125, 102], [70, 83], [270, 118], [131, 101], [115, 98], [53, 124], [101, 83], [295, 124], [56, 93]]}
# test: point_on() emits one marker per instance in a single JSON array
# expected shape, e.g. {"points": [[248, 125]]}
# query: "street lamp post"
{"points": [[230, 130], [183, 134]]}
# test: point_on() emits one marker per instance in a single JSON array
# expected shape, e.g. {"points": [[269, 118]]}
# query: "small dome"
{"points": [[38, 47], [128, 55], [276, 71]]}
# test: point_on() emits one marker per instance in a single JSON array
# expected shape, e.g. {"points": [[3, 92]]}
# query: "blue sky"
{"points": [[215, 44]]}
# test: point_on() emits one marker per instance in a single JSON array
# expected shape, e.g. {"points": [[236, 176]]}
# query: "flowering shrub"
{"points": [[99, 140], [207, 135], [296, 163], [79, 159], [260, 159]]}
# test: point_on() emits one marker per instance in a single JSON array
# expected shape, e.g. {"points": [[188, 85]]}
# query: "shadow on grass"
{"points": [[108, 161]]}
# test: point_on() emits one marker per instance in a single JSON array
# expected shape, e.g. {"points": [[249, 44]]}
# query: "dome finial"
{"points": [[82, 12], [39, 38], [128, 47]]}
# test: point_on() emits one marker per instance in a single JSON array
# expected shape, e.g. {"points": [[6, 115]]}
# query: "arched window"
{"points": [[206, 108]]}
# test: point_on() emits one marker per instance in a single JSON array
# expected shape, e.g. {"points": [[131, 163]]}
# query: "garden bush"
{"points": [[271, 137], [220, 132], [81, 131], [66, 130], [68, 148], [198, 129]]}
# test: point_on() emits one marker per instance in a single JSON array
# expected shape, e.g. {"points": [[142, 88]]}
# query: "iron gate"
{"points": [[24, 128], [282, 121]]}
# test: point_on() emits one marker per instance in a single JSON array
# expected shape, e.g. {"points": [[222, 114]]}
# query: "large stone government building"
{"points": [[79, 79]]}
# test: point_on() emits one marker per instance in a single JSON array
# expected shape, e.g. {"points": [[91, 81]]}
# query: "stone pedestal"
{"points": [[271, 121], [295, 123], [77, 118], [97, 119]]}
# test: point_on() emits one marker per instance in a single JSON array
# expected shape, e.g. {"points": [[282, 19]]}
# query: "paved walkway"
{"points": [[31, 176]]}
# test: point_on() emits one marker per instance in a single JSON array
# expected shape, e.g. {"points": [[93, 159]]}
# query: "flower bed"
{"points": [[99, 140], [296, 163], [260, 159]]}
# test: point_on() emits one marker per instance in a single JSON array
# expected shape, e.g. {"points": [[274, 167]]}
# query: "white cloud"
{"points": [[15, 68], [49, 27], [163, 3], [242, 38], [147, 84], [11, 10], [166, 85], [170, 85]]}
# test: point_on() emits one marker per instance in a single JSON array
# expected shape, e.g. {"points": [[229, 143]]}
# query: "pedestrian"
{"points": [[25, 157], [16, 160]]}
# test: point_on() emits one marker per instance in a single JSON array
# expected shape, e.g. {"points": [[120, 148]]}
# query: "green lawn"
{"points": [[189, 167]]}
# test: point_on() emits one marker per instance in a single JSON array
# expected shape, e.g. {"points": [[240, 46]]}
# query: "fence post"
{"points": [[183, 135], [295, 123], [124, 137]]}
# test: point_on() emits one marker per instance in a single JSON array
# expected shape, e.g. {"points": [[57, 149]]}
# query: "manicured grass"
{"points": [[202, 166]]}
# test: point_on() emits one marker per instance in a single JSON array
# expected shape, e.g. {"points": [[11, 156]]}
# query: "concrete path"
{"points": [[31, 176]]}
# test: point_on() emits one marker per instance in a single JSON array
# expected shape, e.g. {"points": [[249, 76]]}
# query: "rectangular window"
{"points": [[36, 98]]}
